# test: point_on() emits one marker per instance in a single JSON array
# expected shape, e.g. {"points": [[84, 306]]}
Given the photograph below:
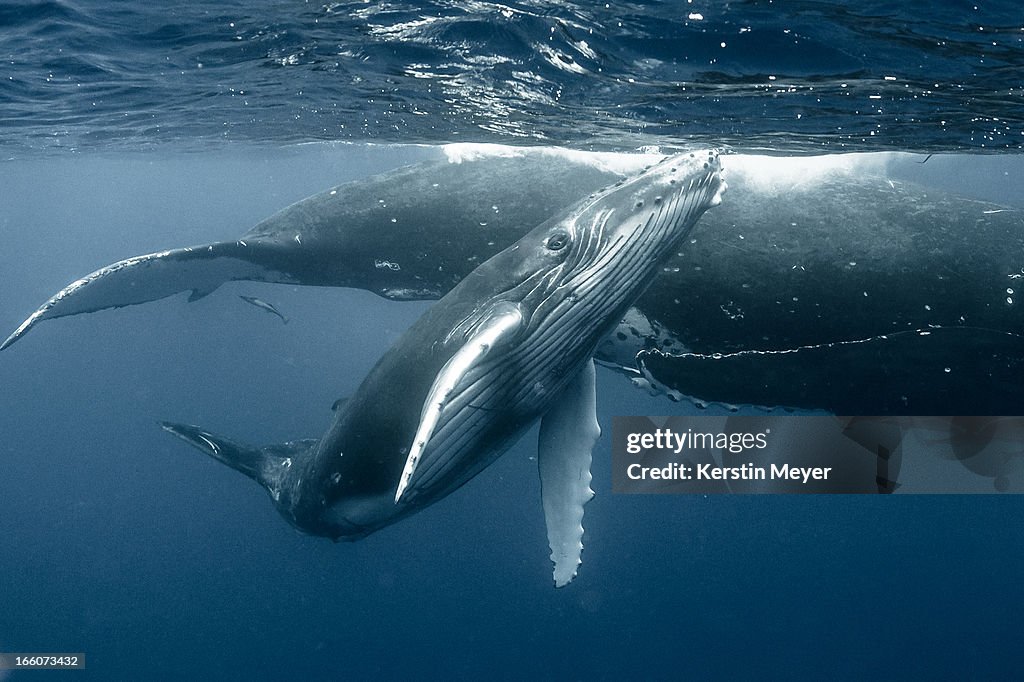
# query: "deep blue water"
{"points": [[130, 127]]}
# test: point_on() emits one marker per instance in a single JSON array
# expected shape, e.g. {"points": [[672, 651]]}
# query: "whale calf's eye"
{"points": [[557, 241]]}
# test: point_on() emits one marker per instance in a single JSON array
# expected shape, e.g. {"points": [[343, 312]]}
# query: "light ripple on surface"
{"points": [[804, 77]]}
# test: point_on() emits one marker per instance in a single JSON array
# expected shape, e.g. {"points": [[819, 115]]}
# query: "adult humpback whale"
{"points": [[511, 343], [823, 283]]}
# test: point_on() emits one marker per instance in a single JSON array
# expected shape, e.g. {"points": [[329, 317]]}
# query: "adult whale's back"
{"points": [[415, 232]]}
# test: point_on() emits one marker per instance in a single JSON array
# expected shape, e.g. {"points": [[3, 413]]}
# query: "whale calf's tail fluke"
{"points": [[267, 465], [199, 269]]}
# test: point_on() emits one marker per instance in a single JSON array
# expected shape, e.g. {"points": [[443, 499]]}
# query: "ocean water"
{"points": [[127, 129], [794, 76]]}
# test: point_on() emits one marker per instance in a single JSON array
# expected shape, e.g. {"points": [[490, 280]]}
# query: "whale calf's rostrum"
{"points": [[511, 344]]}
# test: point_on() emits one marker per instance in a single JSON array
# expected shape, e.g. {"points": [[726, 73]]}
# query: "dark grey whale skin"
{"points": [[555, 292], [845, 272]]}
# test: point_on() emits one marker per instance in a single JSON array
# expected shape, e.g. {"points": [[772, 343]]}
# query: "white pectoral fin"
{"points": [[568, 433], [498, 327]]}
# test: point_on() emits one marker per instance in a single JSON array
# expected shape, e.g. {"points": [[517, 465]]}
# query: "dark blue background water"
{"points": [[118, 540]]}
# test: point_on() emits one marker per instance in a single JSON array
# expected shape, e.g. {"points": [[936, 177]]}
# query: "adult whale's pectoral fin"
{"points": [[568, 433], [266, 465], [495, 329], [199, 269]]}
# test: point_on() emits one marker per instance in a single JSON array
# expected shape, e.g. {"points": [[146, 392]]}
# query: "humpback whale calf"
{"points": [[823, 283], [510, 344]]}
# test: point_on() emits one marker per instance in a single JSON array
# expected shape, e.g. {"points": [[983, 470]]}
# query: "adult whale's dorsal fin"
{"points": [[568, 433], [496, 328]]}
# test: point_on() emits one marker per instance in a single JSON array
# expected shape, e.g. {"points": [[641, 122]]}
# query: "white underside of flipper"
{"points": [[568, 433], [501, 325], [153, 276]]}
